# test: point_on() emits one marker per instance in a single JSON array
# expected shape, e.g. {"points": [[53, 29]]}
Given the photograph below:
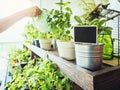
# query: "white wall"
{"points": [[49, 4], [8, 7]]}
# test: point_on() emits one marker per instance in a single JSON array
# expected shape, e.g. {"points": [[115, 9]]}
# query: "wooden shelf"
{"points": [[113, 62], [107, 78]]}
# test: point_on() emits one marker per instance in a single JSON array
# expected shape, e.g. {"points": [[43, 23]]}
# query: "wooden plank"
{"points": [[113, 62], [109, 80]]}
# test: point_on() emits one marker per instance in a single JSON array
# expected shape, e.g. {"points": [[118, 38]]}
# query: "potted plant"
{"points": [[45, 39], [19, 57], [14, 65], [95, 57], [44, 34], [59, 20], [23, 57], [30, 33], [93, 18], [104, 35], [93, 15]]}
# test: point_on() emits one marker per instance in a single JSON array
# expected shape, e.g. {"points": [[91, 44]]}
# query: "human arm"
{"points": [[10, 20]]}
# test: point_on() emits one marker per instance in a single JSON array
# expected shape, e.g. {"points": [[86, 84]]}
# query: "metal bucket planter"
{"points": [[45, 44], [66, 50], [89, 56]]}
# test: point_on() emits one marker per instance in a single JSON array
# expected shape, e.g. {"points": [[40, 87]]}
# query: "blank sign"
{"points": [[86, 34]]}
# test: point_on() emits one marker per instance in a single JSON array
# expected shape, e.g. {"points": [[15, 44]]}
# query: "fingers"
{"points": [[37, 11], [33, 11]]}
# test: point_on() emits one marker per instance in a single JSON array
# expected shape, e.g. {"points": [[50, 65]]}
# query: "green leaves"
{"points": [[69, 9], [91, 8], [19, 54], [100, 23], [77, 18], [30, 32], [42, 75], [45, 35], [87, 6], [60, 21], [119, 1], [66, 3], [63, 4], [107, 40], [66, 36], [60, 4]]}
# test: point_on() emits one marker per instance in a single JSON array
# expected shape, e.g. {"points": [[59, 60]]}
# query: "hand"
{"points": [[33, 11]]}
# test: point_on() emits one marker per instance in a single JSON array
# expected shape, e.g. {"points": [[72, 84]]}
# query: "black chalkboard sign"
{"points": [[86, 34]]}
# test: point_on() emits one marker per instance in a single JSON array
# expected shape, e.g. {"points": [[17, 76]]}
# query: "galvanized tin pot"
{"points": [[89, 56]]}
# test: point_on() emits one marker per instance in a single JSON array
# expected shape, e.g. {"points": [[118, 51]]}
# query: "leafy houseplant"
{"points": [[94, 16], [45, 35], [43, 75], [18, 55], [59, 20], [30, 32], [45, 39], [23, 57], [18, 58], [104, 35]]}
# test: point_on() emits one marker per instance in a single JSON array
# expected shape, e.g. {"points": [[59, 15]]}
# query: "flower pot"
{"points": [[66, 50], [27, 87], [89, 56], [23, 64], [33, 42], [37, 43], [45, 44]]}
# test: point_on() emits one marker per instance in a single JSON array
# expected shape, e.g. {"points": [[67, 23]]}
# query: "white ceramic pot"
{"points": [[45, 44], [66, 50]]}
